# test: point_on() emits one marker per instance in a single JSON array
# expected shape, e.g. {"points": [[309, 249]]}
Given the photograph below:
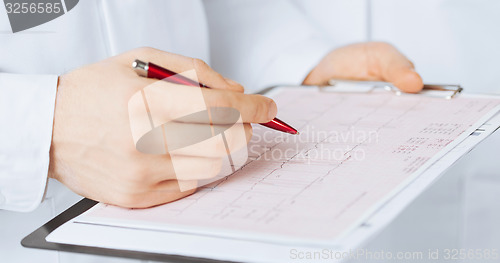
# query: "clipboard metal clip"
{"points": [[446, 91]]}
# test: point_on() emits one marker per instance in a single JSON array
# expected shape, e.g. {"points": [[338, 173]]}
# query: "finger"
{"points": [[164, 109], [161, 167], [199, 160], [253, 108], [223, 116], [224, 143], [213, 79], [186, 168], [173, 136], [167, 102], [235, 86], [180, 64], [397, 69]]}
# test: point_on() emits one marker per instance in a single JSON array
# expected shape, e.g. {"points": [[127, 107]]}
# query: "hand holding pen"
{"points": [[93, 151], [154, 71]]}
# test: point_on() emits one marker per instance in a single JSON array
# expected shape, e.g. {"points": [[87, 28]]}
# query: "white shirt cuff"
{"points": [[26, 118]]}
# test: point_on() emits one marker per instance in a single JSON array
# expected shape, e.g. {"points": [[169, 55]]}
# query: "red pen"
{"points": [[151, 70]]}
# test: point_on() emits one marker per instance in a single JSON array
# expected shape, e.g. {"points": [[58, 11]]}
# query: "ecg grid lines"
{"points": [[353, 150]]}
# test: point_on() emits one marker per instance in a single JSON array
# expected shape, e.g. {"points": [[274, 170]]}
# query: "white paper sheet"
{"points": [[299, 200]]}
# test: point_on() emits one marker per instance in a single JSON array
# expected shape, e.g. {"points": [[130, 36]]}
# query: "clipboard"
{"points": [[446, 91], [37, 239]]}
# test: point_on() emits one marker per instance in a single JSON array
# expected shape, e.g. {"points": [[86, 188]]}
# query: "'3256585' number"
{"points": [[33, 8]]}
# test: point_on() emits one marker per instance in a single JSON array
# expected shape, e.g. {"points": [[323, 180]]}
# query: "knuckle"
{"points": [[254, 114], [380, 45], [200, 65], [237, 87], [144, 50], [234, 86], [240, 88]]}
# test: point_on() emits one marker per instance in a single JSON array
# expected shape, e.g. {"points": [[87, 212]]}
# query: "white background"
{"points": [[454, 41], [450, 41]]}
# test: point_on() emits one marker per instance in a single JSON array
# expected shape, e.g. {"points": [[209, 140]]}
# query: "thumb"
{"points": [[398, 69], [405, 79]]}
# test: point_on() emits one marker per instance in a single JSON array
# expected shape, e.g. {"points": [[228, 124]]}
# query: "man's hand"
{"points": [[367, 61], [93, 150]]}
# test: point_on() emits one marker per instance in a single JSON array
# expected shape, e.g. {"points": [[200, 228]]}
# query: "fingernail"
{"points": [[273, 110]]}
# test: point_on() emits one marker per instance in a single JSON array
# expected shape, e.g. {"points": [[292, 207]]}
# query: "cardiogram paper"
{"points": [[353, 153]]}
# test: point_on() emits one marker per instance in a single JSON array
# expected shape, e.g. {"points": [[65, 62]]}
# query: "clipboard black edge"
{"points": [[37, 240]]}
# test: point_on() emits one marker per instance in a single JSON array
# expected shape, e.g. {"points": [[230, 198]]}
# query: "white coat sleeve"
{"points": [[262, 43], [26, 117]]}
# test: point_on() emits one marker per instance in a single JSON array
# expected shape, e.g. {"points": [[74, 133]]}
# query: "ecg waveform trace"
{"points": [[354, 150]]}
